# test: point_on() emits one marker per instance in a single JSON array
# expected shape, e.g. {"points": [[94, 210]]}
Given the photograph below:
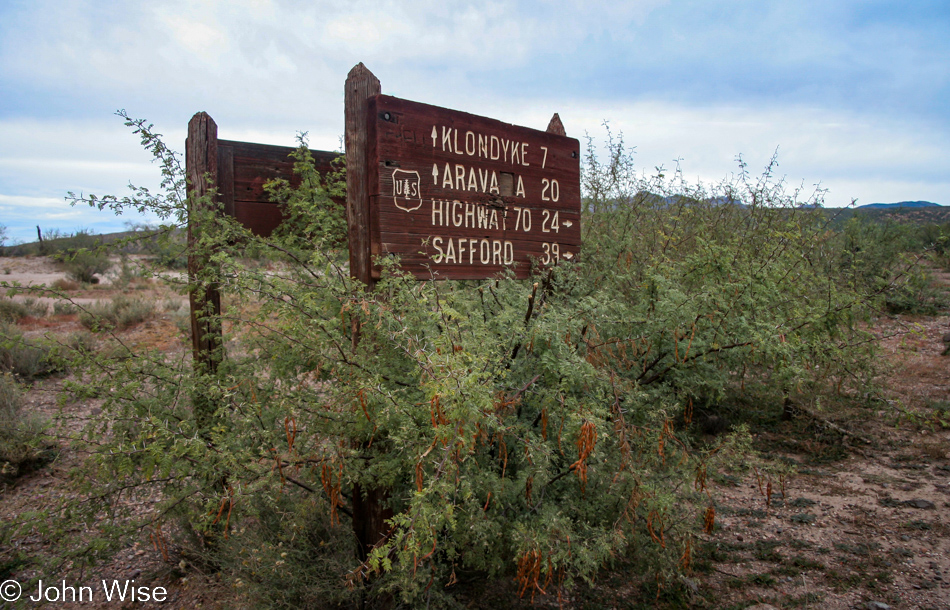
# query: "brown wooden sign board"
{"points": [[244, 167], [459, 196]]}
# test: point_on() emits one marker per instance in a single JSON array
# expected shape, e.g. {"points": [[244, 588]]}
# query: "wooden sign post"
{"points": [[360, 85], [459, 196]]}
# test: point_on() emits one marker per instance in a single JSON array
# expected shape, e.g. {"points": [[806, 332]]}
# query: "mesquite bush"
{"points": [[532, 429]]}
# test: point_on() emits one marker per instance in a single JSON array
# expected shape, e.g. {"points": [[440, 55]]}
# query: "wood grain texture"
{"points": [[244, 168], [225, 178], [438, 175], [360, 85], [556, 126], [201, 160]]}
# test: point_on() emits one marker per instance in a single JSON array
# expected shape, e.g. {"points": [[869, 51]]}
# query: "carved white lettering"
{"points": [[496, 258], [519, 192], [483, 251], [482, 217], [446, 139], [483, 146], [469, 137]]}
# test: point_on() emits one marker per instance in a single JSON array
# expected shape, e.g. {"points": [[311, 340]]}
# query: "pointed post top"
{"points": [[202, 118], [361, 71], [556, 126]]}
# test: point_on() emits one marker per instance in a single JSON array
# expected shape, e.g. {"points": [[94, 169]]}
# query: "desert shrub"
{"points": [[533, 430], [24, 357], [132, 274], [66, 285], [64, 308], [172, 305], [11, 310], [164, 244], [293, 556], [35, 307], [84, 265], [885, 257], [119, 313], [936, 238], [81, 342], [21, 444]]}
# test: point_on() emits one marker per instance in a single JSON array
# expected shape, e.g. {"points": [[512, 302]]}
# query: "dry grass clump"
{"points": [[935, 450], [22, 357], [66, 285], [20, 434], [83, 266], [12, 311], [119, 313]]}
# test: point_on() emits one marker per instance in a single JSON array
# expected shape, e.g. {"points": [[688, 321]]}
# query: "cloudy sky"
{"points": [[853, 93]]}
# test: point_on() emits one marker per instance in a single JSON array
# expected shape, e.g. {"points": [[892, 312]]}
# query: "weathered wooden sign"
{"points": [[459, 196], [244, 167]]}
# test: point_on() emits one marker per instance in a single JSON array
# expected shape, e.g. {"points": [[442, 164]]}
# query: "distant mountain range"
{"points": [[717, 201], [901, 204]]}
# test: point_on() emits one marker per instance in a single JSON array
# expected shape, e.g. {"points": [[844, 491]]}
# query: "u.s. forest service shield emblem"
{"points": [[406, 190]]}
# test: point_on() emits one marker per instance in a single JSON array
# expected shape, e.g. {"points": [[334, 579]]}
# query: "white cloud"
{"points": [[9, 202], [872, 158]]}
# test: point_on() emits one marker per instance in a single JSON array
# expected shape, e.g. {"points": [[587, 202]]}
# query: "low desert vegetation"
{"points": [[21, 434], [13, 310], [118, 313], [394, 446], [26, 357]]}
